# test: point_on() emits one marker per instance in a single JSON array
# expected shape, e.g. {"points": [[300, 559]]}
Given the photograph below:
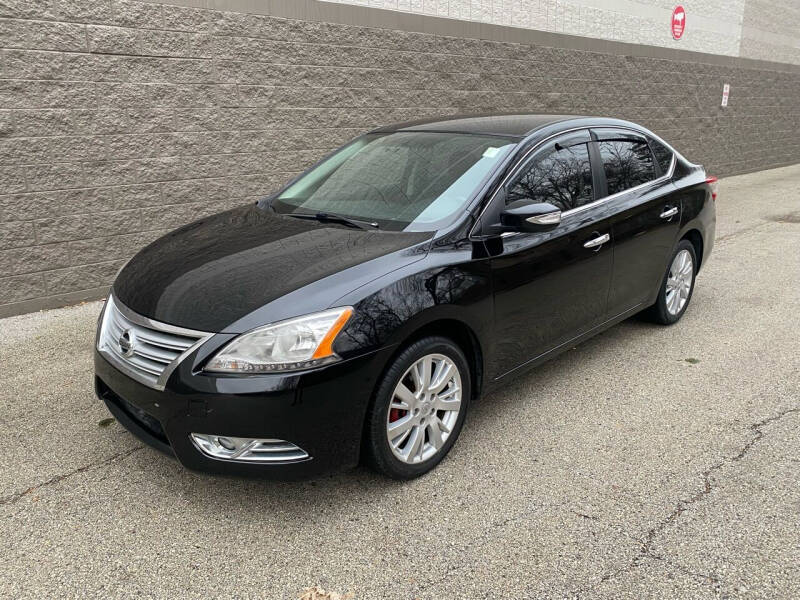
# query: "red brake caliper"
{"points": [[395, 414]]}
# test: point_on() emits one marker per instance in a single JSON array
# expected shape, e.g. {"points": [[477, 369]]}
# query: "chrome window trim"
{"points": [[604, 199], [572, 211], [161, 382]]}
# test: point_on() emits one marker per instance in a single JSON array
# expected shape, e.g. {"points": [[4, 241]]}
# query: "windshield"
{"points": [[407, 180]]}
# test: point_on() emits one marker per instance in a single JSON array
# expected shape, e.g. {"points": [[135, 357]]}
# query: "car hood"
{"points": [[211, 274]]}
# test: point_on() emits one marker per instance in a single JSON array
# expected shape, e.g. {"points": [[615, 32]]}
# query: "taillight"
{"points": [[713, 183]]}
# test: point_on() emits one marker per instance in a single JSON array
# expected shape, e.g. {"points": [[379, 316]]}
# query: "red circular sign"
{"points": [[678, 22]]}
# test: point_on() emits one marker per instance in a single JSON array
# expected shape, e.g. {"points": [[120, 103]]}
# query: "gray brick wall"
{"points": [[121, 120]]}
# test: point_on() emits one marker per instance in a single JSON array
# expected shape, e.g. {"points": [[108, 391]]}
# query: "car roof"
{"points": [[515, 125], [518, 126]]}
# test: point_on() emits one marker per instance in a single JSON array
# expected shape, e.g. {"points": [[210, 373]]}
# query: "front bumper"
{"points": [[320, 411]]}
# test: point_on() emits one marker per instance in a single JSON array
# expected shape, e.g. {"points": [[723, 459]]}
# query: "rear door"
{"points": [[638, 191]]}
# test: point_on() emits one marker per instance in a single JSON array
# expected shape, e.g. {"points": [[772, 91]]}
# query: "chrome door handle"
{"points": [[598, 241], [669, 213]]}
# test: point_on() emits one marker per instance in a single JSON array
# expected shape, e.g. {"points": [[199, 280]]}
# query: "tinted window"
{"points": [[627, 163], [663, 155], [562, 177]]}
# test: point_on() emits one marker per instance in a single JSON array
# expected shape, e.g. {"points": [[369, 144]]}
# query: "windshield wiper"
{"points": [[334, 218]]}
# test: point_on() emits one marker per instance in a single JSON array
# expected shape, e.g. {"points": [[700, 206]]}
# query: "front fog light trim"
{"points": [[250, 450]]}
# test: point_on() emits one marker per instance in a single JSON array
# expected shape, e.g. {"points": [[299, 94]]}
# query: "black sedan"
{"points": [[356, 313]]}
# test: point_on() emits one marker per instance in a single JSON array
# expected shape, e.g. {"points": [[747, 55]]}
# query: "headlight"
{"points": [[289, 345]]}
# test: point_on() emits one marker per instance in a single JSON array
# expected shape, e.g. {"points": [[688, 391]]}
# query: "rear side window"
{"points": [[663, 155], [561, 176], [627, 163]]}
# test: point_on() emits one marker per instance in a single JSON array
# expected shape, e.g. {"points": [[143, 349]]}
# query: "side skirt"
{"points": [[553, 352]]}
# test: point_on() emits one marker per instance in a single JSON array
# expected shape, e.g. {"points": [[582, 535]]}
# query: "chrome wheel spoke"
{"points": [[405, 396], [443, 374], [427, 368], [670, 299], [442, 425], [417, 378], [397, 442], [450, 403], [421, 373], [414, 446], [435, 434], [400, 426]]}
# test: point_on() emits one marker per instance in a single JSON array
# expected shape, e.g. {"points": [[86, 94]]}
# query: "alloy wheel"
{"points": [[679, 282], [424, 408]]}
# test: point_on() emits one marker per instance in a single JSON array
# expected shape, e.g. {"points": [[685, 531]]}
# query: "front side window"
{"points": [[560, 176], [627, 163], [406, 180]]}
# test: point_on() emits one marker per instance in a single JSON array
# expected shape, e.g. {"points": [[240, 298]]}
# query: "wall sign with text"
{"points": [[678, 22]]}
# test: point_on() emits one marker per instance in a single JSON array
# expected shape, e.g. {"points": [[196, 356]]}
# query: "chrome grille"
{"points": [[146, 350]]}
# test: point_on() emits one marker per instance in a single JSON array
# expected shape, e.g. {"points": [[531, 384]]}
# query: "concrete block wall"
{"points": [[121, 120]]}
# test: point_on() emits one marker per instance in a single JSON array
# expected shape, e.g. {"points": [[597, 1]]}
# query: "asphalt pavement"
{"points": [[649, 462]]}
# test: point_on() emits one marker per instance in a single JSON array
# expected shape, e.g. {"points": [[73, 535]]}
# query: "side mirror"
{"points": [[523, 215]]}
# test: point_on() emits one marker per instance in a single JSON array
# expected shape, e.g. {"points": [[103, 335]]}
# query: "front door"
{"points": [[550, 287]]}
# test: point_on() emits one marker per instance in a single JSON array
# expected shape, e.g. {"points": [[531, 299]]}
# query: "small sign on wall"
{"points": [[726, 90], [678, 22]]}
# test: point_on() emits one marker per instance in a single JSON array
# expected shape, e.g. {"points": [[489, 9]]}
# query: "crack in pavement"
{"points": [[646, 550], [11, 499]]}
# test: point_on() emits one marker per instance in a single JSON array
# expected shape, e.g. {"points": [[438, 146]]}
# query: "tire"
{"points": [[666, 309], [415, 428]]}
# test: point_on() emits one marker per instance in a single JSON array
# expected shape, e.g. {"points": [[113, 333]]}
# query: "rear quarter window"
{"points": [[663, 155]]}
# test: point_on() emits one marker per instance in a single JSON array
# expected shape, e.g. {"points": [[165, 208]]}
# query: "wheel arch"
{"points": [[434, 322], [696, 239], [463, 336]]}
